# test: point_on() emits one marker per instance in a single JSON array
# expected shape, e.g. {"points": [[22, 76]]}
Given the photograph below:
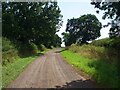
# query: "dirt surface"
{"points": [[50, 71]]}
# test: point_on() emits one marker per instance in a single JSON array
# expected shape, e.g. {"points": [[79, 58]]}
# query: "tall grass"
{"points": [[96, 52]]}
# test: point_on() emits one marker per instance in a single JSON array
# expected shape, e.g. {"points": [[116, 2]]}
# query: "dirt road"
{"points": [[50, 71]]}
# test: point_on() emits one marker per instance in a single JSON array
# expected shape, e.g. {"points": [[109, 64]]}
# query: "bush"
{"points": [[52, 47], [112, 47], [33, 48], [26, 49], [102, 42], [107, 42], [9, 51], [7, 45], [41, 47], [115, 43]]}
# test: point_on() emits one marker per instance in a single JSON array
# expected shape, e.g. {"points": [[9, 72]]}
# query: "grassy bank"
{"points": [[99, 70], [12, 70], [16, 56]]}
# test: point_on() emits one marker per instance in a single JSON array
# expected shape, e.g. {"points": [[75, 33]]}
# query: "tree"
{"points": [[35, 22], [82, 29], [66, 38], [57, 41], [111, 11]]}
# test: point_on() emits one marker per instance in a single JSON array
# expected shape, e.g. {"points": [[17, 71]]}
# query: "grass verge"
{"points": [[99, 70], [12, 70]]}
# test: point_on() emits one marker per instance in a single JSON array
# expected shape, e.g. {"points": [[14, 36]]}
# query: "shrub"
{"points": [[33, 48], [112, 47], [107, 42], [52, 47], [41, 47], [9, 51], [115, 43], [26, 49], [102, 42], [7, 45]]}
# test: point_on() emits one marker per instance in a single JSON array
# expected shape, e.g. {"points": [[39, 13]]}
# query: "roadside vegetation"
{"points": [[11, 71], [98, 60], [30, 28], [25, 35], [15, 60]]}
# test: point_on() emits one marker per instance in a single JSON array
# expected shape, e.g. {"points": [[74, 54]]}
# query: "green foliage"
{"points": [[66, 37], [26, 49], [102, 42], [41, 47], [100, 59], [101, 71], [9, 51], [111, 11], [88, 51], [82, 29], [108, 42], [57, 41], [7, 45], [11, 71], [111, 48], [96, 52], [115, 43], [33, 48], [52, 47], [26, 22]]}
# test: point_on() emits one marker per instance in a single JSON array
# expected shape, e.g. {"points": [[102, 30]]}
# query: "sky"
{"points": [[76, 8]]}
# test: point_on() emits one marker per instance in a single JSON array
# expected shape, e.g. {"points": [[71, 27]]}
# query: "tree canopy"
{"points": [[35, 22], [81, 30], [111, 11]]}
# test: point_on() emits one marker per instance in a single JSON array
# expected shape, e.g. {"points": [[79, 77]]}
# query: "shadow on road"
{"points": [[32, 55], [79, 84], [58, 51]]}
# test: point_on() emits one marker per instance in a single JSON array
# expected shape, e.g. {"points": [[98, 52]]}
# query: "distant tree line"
{"points": [[35, 22]]}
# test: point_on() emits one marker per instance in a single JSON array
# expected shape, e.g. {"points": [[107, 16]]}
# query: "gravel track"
{"points": [[50, 71]]}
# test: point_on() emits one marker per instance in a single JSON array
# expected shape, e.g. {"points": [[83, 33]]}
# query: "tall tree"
{"points": [[82, 29], [111, 11], [31, 21]]}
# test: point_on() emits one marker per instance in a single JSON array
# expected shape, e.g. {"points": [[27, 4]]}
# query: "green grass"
{"points": [[12, 70], [101, 71], [0, 76]]}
